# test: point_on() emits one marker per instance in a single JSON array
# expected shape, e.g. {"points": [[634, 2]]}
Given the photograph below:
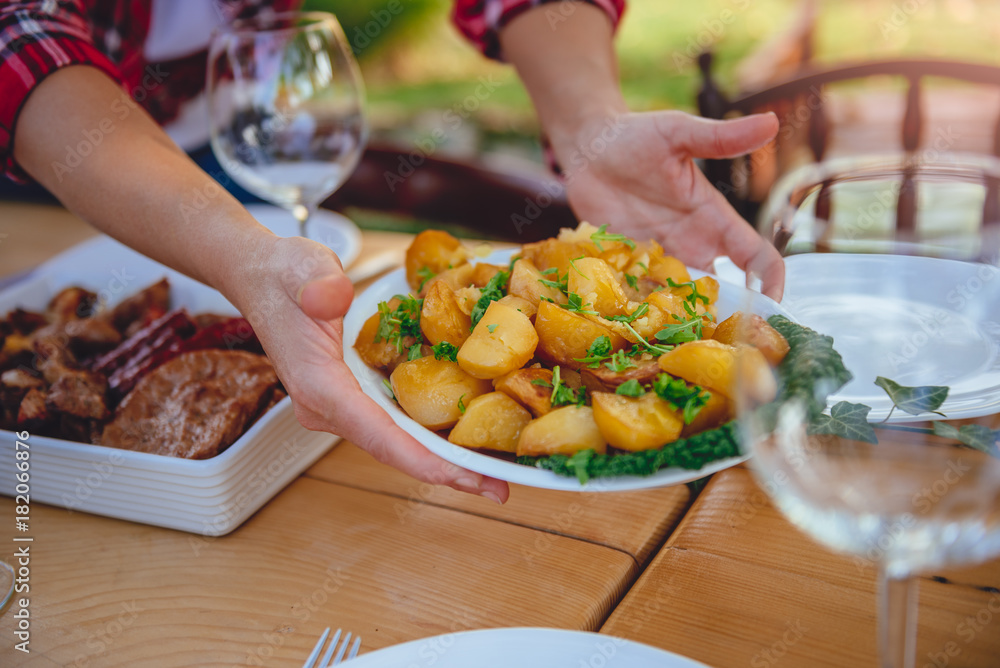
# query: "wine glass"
{"points": [[286, 107], [896, 258]]}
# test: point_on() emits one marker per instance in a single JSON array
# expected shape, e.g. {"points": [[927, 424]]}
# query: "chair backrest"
{"points": [[519, 207], [805, 89]]}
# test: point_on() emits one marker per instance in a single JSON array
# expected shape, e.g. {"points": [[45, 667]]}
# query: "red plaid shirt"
{"points": [[39, 37]]}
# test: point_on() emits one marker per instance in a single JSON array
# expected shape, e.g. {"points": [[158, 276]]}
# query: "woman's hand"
{"points": [[296, 305], [636, 171]]}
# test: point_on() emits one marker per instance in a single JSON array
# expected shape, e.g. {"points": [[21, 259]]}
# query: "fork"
{"points": [[313, 661]]}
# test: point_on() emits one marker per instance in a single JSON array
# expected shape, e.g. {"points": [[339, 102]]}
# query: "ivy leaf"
{"points": [[976, 436], [914, 400], [846, 420]]}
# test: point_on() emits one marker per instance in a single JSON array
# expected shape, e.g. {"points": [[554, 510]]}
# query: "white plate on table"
{"points": [[936, 335], [209, 497], [523, 648], [333, 230], [731, 299]]}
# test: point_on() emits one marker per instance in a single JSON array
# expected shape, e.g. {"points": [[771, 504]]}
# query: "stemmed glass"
{"points": [[896, 259], [286, 107]]}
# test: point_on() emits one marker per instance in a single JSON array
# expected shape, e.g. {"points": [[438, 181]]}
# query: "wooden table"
{"points": [[351, 543]]}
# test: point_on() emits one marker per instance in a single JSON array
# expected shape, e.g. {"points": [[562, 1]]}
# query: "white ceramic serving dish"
{"points": [[731, 299], [209, 497]]}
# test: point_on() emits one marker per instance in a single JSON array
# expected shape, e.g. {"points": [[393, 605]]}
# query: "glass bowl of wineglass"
{"points": [[286, 109], [883, 437]]}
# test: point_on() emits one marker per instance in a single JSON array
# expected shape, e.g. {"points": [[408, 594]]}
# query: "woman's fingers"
{"points": [[705, 138]]}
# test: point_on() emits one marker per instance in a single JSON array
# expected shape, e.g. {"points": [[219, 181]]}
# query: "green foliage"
{"points": [[598, 351], [445, 351], [976, 436], [631, 388], [914, 400], [494, 291], [846, 420]]}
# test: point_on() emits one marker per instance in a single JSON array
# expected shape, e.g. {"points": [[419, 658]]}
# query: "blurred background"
{"points": [[421, 74]]}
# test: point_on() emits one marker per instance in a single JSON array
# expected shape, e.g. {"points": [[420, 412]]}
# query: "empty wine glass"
{"points": [[286, 107], [896, 259]]}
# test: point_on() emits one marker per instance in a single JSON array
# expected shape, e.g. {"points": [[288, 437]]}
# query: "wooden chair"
{"points": [[804, 90]]}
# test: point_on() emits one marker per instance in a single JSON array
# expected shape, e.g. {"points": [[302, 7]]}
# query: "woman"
{"points": [[62, 70]]}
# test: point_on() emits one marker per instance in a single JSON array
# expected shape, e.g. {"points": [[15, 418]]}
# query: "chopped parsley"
{"points": [[541, 382], [633, 281], [574, 303], [689, 399], [638, 313], [415, 352], [695, 296], [631, 388], [445, 351], [388, 388], [491, 328], [561, 283], [600, 235], [425, 274], [572, 263], [620, 361], [396, 324], [598, 351], [562, 394], [492, 292], [461, 405]]}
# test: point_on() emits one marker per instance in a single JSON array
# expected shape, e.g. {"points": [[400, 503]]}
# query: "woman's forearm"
{"points": [[84, 139], [566, 60]]}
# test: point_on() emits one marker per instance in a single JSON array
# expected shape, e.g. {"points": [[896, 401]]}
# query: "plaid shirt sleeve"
{"points": [[36, 39], [481, 20]]}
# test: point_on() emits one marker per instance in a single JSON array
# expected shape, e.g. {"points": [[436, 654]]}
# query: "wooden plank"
{"points": [[32, 233], [111, 593], [634, 522], [728, 612]]}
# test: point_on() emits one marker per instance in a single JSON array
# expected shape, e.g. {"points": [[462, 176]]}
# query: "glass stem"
{"points": [[897, 620], [302, 213]]}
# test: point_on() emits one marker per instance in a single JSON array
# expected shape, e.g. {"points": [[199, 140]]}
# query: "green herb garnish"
{"points": [[682, 332], [619, 362], [694, 296], [461, 405], [492, 292], [445, 351], [640, 311], [415, 352], [633, 281], [491, 328], [631, 388], [598, 351], [574, 303], [600, 235], [396, 324], [563, 394], [689, 399], [425, 274]]}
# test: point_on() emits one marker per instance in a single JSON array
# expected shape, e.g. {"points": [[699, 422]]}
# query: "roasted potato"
{"points": [[491, 421], [532, 388], [755, 331], [380, 354], [713, 365], [716, 412], [526, 282], [595, 281], [502, 341], [564, 337], [520, 304], [432, 252], [566, 430], [429, 391], [636, 423], [441, 319]]}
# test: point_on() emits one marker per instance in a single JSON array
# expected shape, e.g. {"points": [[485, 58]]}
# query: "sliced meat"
{"points": [[140, 309], [81, 394], [91, 336], [194, 406], [23, 322], [603, 379], [33, 413], [71, 304]]}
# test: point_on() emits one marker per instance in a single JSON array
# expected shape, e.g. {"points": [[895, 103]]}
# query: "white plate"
{"points": [[945, 330], [731, 299], [336, 232], [523, 648], [209, 497]]}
